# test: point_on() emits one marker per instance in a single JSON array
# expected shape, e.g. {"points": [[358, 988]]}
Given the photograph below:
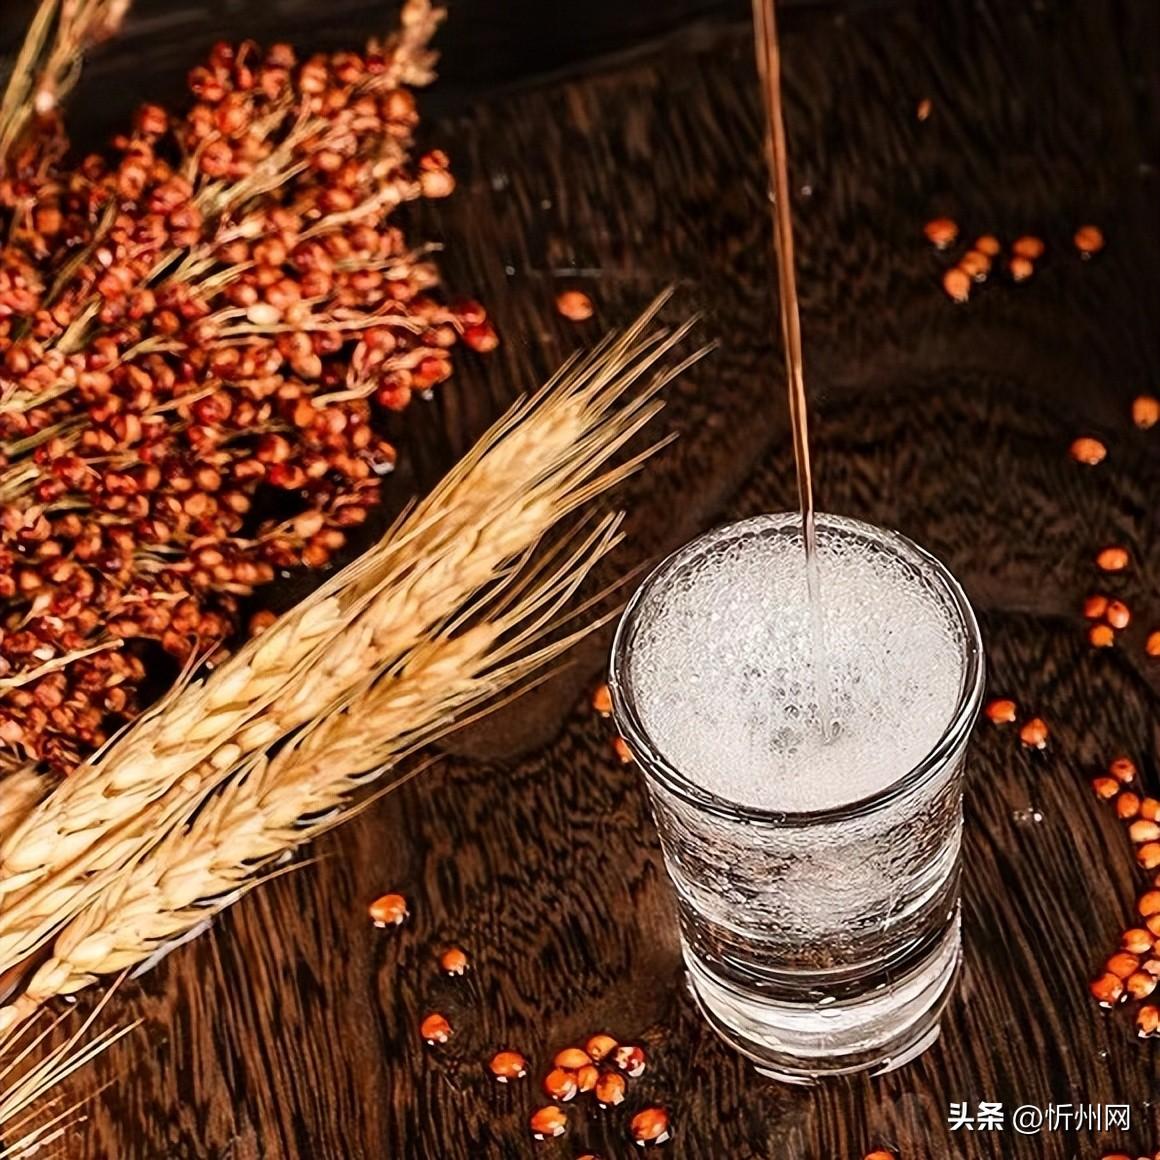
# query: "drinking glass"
{"points": [[818, 941]]}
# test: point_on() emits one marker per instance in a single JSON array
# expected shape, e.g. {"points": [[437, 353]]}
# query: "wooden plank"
{"points": [[291, 1030]]}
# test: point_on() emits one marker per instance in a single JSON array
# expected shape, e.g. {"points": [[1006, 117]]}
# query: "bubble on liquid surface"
{"points": [[721, 663]]}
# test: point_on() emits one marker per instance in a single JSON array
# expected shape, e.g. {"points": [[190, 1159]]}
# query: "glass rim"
{"points": [[954, 735]]}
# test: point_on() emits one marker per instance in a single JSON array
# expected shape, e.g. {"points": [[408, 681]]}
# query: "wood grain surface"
{"points": [[290, 1029]]}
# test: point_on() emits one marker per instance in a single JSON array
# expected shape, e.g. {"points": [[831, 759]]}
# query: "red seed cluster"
{"points": [[1133, 972], [972, 266], [976, 263], [200, 333], [603, 1067], [1109, 616]]}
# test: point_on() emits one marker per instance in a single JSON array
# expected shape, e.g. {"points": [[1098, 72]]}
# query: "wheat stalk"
{"points": [[27, 1074], [50, 58], [539, 463], [208, 861]]}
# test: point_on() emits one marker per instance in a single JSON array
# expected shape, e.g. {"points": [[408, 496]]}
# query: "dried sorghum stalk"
{"points": [[198, 335]]}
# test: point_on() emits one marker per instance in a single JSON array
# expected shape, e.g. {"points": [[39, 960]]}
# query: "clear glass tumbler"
{"points": [[821, 940]]}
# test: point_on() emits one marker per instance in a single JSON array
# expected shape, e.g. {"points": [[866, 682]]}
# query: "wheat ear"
{"points": [[20, 791], [539, 463], [261, 812]]}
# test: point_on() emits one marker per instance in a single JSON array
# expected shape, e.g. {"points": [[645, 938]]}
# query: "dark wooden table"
{"points": [[291, 1029]]}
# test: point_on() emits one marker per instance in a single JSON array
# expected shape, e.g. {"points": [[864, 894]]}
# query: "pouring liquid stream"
{"points": [[769, 72]]}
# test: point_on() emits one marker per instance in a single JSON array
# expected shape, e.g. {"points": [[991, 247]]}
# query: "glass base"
{"points": [[804, 1043]]}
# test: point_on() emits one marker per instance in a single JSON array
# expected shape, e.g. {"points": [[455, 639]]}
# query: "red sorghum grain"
{"points": [[1143, 830], [1122, 965], [1021, 268], [923, 109], [957, 284], [1123, 769], [435, 1028], [388, 910], [571, 1058], [1148, 1021], [1112, 559], [1119, 614], [1148, 855], [976, 265], [1150, 808], [574, 305], [174, 432], [1029, 247], [881, 1154], [1152, 644], [482, 338], [1001, 711], [622, 751], [941, 232], [1089, 240], [610, 1089], [1105, 787], [1101, 636], [631, 1060], [1087, 450], [599, 1046], [1145, 411], [1095, 606], [1107, 990], [560, 1084], [1127, 806], [650, 1126], [548, 1122], [453, 961], [1140, 984], [1034, 733], [1149, 904], [507, 1066], [1137, 941], [602, 700], [988, 244], [586, 1077]]}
